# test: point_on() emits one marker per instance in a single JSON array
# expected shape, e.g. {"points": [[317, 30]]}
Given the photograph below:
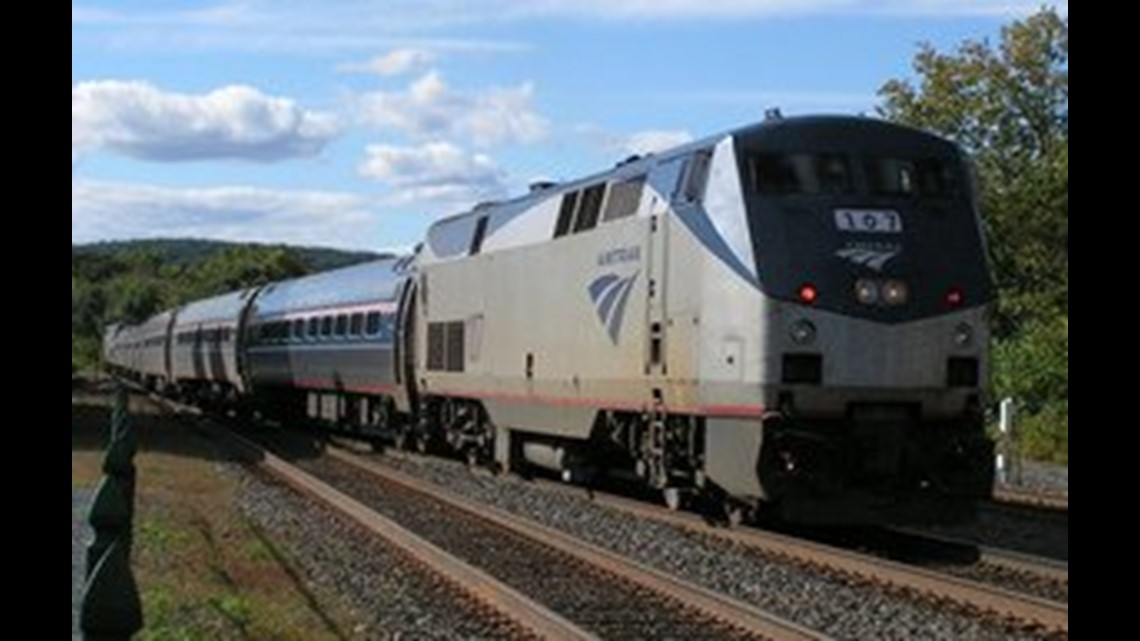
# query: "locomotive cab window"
{"points": [[927, 177], [787, 174]]}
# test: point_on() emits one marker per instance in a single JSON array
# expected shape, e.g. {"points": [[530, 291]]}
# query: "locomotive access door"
{"points": [[656, 267], [404, 356]]}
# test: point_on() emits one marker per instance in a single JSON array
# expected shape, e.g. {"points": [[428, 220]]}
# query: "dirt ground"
{"points": [[204, 571]]}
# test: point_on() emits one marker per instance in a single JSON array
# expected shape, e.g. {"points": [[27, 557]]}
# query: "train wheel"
{"points": [[732, 512], [400, 443], [420, 443]]}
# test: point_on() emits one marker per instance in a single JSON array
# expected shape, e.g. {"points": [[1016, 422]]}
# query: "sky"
{"points": [[354, 124]]}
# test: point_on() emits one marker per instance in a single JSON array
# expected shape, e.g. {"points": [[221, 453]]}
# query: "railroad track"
{"points": [[551, 584], [1030, 609], [661, 605], [1008, 495], [1047, 613]]}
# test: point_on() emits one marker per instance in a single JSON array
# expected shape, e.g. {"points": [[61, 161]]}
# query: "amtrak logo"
{"points": [[873, 255], [610, 293]]}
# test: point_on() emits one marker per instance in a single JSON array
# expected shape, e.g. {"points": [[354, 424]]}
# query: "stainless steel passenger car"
{"points": [[324, 345], [205, 359], [149, 354]]}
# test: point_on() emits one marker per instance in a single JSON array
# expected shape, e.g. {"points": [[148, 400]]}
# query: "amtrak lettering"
{"points": [[620, 255]]}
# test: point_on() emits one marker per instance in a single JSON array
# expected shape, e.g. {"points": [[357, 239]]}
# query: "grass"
{"points": [[204, 572]]}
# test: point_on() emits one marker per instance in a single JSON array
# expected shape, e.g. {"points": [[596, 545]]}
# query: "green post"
{"points": [[110, 609]]}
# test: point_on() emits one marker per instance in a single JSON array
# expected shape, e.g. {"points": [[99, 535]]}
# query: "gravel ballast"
{"points": [[841, 607], [390, 595], [1044, 478]]}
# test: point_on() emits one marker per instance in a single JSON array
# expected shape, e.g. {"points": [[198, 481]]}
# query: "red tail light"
{"points": [[808, 293], [954, 297]]}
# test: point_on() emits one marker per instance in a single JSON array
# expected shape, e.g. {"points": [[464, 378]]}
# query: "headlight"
{"points": [[894, 292], [963, 335], [802, 332], [866, 291]]}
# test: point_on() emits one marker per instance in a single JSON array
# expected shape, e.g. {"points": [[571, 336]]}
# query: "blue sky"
{"points": [[355, 124]]}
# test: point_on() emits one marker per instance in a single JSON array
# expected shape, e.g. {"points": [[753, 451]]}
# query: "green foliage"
{"points": [[1009, 107], [127, 282], [1033, 368]]}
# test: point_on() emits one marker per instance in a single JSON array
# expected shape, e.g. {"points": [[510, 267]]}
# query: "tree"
{"points": [[242, 266], [1009, 108]]}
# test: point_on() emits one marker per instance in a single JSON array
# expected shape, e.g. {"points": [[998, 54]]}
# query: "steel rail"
{"points": [[718, 606], [479, 584], [1032, 500], [1029, 608]]}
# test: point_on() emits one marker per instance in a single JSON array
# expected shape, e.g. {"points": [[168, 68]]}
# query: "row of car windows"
{"points": [[212, 336], [371, 326]]}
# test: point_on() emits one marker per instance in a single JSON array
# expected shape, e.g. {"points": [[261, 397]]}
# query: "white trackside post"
{"points": [[1007, 467]]}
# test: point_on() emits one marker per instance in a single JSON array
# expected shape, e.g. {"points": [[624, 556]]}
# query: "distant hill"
{"points": [[189, 251]]}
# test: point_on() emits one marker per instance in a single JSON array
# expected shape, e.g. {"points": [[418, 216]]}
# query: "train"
{"points": [[787, 318]]}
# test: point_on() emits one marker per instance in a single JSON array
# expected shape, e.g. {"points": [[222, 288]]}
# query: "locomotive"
{"points": [[790, 316]]}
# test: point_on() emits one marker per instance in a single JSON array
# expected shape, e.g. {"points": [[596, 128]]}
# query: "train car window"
{"points": [[326, 326], [591, 206], [477, 238], [696, 176], [373, 324], [298, 329], [341, 324], [314, 324], [356, 324], [624, 198], [566, 214]]}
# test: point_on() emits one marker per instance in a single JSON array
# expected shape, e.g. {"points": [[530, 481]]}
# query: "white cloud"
{"points": [[651, 141], [393, 63], [437, 171], [139, 120], [429, 109], [108, 210]]}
